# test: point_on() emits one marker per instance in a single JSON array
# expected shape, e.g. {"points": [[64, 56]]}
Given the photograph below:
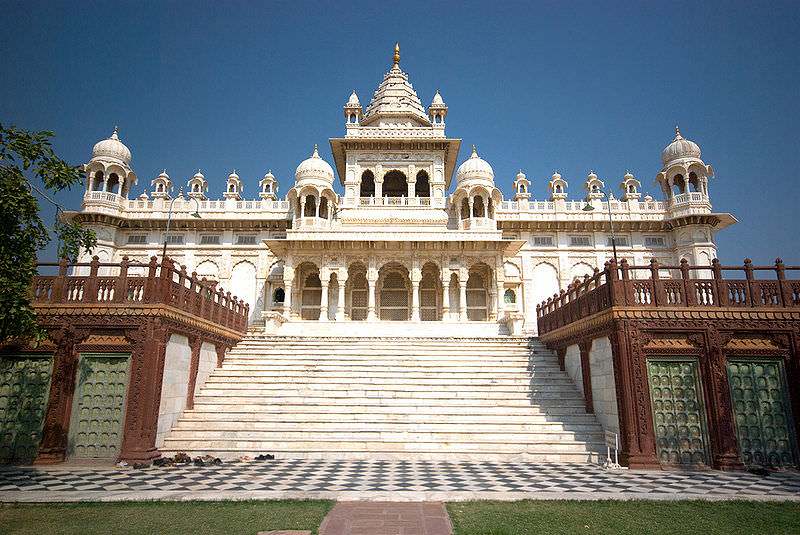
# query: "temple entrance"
{"points": [[394, 295], [311, 297], [358, 290], [429, 294], [478, 293]]}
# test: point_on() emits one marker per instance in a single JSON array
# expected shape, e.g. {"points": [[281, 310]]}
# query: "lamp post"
{"points": [[589, 208], [196, 214]]}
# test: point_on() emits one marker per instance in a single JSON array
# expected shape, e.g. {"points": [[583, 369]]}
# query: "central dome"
{"points": [[314, 167], [112, 148]]}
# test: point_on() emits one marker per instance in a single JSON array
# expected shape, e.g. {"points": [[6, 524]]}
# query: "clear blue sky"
{"points": [[571, 86]]}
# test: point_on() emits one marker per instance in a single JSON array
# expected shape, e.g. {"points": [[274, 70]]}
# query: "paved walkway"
{"points": [[387, 518], [389, 480]]}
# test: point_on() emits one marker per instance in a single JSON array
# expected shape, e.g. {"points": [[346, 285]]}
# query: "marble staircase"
{"points": [[372, 398]]}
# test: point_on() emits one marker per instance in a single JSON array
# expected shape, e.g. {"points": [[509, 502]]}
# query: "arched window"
{"points": [[231, 188], [558, 188], [693, 181], [113, 183], [423, 187], [478, 209], [160, 188], [465, 209], [395, 184], [477, 298], [631, 189], [522, 188], [311, 207], [679, 183], [509, 296], [323, 208], [98, 181], [367, 184], [278, 296], [311, 297], [196, 187]]}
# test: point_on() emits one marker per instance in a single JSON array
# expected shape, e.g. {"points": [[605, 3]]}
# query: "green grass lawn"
{"points": [[623, 517], [162, 518]]}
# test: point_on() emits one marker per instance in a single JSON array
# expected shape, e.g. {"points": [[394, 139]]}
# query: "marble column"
{"points": [[414, 301], [462, 305], [371, 298], [287, 298], [323, 305], [446, 300]]}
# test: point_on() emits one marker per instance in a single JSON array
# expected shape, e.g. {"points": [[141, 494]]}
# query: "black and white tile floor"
{"points": [[390, 479]]}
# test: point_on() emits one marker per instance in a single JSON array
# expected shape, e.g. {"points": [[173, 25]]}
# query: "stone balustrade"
{"points": [[670, 286]]}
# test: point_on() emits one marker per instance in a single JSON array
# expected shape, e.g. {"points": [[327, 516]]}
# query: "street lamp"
{"points": [[589, 208], [196, 214]]}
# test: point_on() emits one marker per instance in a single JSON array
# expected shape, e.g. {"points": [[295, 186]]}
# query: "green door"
{"points": [[24, 391], [761, 411], [678, 411], [102, 383]]}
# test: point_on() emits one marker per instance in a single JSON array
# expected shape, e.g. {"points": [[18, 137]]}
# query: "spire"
{"points": [[677, 133], [396, 57], [316, 153]]}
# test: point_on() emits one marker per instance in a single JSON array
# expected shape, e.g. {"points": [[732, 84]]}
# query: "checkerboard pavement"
{"points": [[381, 479]]}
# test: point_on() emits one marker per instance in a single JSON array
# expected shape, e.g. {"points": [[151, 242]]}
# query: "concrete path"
{"points": [[385, 481], [387, 518]]}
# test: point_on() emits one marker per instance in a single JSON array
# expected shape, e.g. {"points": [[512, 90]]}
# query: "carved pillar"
{"points": [[633, 399], [714, 377], [462, 301], [323, 304], [586, 372], [371, 299], [144, 395], [446, 299], [221, 349], [195, 343], [414, 300], [55, 432], [287, 298], [340, 298]]}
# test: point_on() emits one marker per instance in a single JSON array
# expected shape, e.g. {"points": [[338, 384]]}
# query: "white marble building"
{"points": [[396, 247]]}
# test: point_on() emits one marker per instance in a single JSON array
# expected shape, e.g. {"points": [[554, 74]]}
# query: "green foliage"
{"points": [[26, 156]]}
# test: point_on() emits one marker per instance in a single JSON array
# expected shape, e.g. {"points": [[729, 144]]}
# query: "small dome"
{"points": [[198, 175], [437, 100], [353, 100], [269, 176], [556, 176], [112, 148], [591, 176], [680, 148], [475, 167], [232, 176], [314, 167], [520, 175], [627, 176], [165, 176]]}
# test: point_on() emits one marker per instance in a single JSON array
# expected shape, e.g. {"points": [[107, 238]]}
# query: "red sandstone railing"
{"points": [[670, 286], [135, 283]]}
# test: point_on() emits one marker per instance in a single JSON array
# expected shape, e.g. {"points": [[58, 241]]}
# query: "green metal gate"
{"points": [[761, 411], [24, 391], [678, 411], [97, 416]]}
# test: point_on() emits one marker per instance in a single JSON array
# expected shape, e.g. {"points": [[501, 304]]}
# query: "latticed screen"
{"points": [[477, 299], [359, 298], [311, 298], [428, 311], [394, 298], [761, 411], [678, 411]]}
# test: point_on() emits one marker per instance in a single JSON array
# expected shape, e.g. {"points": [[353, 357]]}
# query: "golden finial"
{"points": [[315, 147], [677, 132], [115, 129], [473, 149], [180, 191], [165, 171], [396, 57]]}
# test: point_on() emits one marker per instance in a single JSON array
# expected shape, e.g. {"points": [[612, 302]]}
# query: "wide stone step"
{"points": [[356, 389], [480, 383], [529, 416], [556, 410], [531, 426]]}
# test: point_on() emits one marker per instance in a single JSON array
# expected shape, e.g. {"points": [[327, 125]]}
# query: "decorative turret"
{"points": [[437, 110], [593, 187], [109, 169], [475, 197], [557, 187], [630, 187], [197, 186], [683, 171], [269, 187], [475, 170], [522, 187], [233, 187], [161, 186], [352, 110]]}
